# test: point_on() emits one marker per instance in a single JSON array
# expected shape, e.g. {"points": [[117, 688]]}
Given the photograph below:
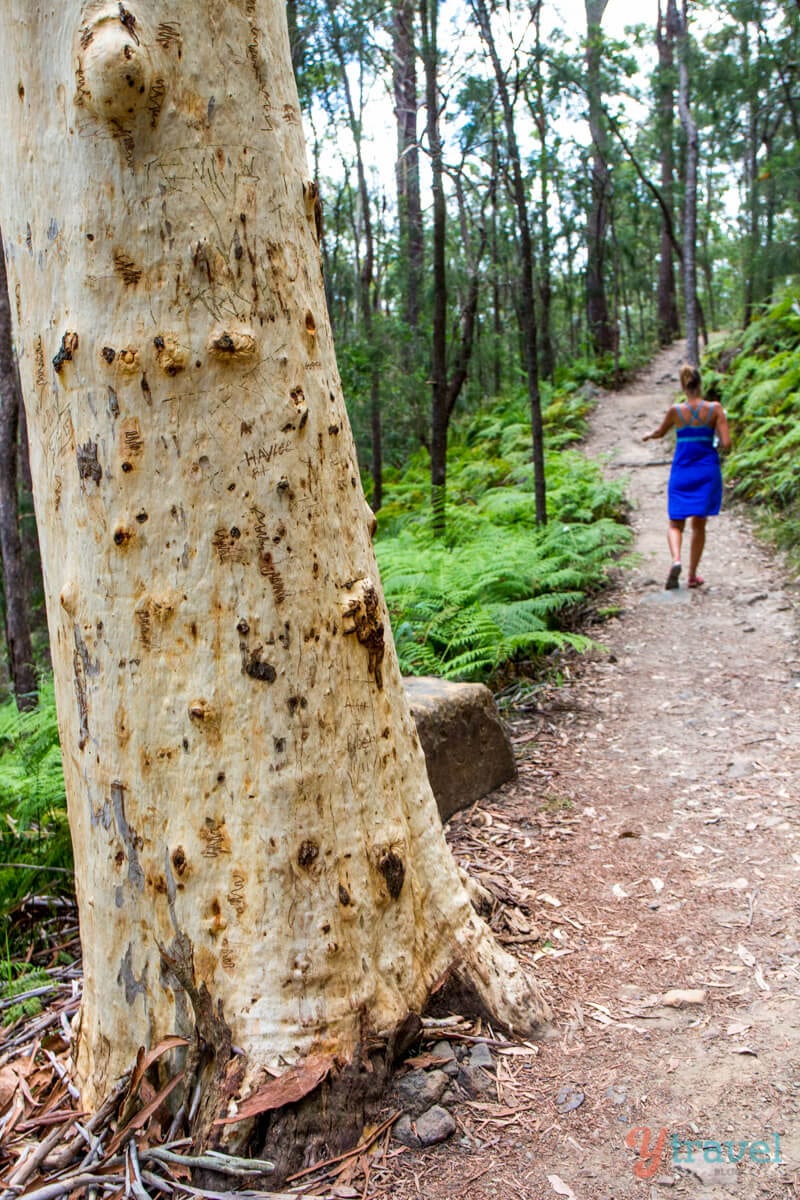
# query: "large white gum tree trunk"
{"points": [[257, 847]]}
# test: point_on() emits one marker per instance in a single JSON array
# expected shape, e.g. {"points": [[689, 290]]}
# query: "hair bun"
{"points": [[690, 378]]}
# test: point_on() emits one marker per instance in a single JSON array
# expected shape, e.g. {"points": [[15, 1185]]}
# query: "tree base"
{"points": [[327, 1122]]}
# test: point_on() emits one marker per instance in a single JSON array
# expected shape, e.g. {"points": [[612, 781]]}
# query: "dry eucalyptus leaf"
{"points": [[745, 955], [678, 997], [561, 1188]]}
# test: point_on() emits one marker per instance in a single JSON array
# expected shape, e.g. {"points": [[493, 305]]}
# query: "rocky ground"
{"points": [[648, 858]]}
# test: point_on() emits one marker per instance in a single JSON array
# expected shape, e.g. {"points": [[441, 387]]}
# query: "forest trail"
{"points": [[652, 840]]}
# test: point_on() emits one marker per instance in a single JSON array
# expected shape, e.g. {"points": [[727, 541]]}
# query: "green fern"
{"points": [[761, 390], [33, 820], [497, 589]]}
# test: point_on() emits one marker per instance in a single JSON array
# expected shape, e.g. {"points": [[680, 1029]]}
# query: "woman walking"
{"points": [[695, 479]]}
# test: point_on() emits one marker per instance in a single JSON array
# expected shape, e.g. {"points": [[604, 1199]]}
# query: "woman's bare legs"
{"points": [[696, 545], [674, 539]]}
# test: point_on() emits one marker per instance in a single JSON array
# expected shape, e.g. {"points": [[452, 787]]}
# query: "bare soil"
{"points": [[651, 842]]}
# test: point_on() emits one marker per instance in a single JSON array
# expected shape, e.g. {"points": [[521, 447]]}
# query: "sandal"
{"points": [[672, 578], [696, 581]]}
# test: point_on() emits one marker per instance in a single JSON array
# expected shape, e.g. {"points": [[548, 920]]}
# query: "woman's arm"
{"points": [[667, 423], [721, 428]]}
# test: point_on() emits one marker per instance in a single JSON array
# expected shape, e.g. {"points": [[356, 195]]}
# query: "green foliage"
{"points": [[757, 377], [497, 590], [19, 978], [33, 819]]}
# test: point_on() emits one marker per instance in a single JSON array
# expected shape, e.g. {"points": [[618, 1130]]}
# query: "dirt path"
{"points": [[652, 842]]}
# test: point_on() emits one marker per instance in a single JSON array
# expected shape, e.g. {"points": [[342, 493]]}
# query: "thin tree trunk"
{"points": [[29, 536], [527, 316], [547, 357], [368, 301], [408, 187], [15, 592], [690, 196], [259, 859], [667, 301], [497, 318], [771, 208], [600, 327], [429, 14], [751, 184]]}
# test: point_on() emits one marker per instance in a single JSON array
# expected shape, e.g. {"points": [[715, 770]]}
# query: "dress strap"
{"points": [[695, 420]]}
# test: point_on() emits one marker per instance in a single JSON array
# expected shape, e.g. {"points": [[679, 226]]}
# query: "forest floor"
{"points": [[645, 864], [651, 842]]}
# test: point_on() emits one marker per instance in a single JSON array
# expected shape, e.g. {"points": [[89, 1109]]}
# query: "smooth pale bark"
{"points": [[252, 820]]}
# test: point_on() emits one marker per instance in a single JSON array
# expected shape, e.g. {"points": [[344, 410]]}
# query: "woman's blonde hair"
{"points": [[690, 378]]}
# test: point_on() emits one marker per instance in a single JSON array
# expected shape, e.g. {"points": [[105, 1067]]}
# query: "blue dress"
{"points": [[695, 480]]}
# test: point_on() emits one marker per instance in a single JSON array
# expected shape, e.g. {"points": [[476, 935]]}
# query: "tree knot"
{"points": [[361, 615]]}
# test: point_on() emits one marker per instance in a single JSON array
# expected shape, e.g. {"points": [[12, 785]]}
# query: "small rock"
{"points": [[665, 1181], [569, 1098], [449, 1098], [481, 1056], [420, 1089], [740, 767], [445, 1050], [713, 1174], [476, 1082], [616, 1094], [403, 1132], [434, 1126]]}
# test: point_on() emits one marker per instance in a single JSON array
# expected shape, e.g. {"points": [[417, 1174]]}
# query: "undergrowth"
{"points": [[18, 979], [494, 592], [757, 376], [35, 849], [497, 591]]}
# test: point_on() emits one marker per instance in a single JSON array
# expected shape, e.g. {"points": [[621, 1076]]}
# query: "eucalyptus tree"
{"points": [[260, 865]]}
